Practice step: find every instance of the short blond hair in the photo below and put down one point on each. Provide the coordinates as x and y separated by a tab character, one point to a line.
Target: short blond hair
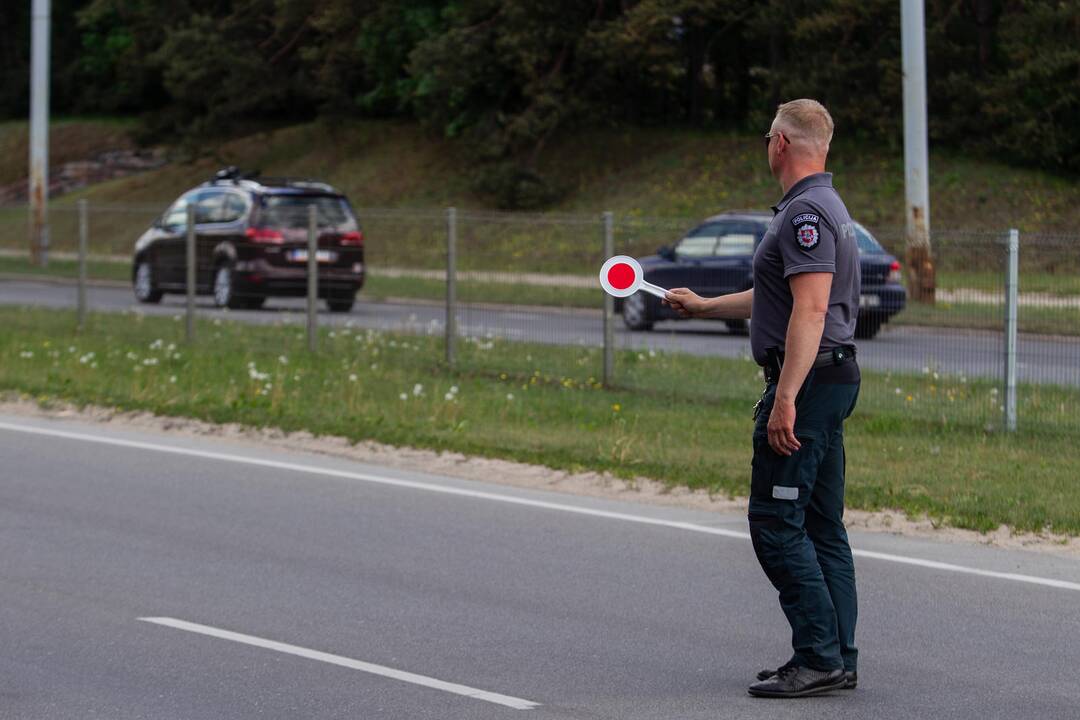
805	121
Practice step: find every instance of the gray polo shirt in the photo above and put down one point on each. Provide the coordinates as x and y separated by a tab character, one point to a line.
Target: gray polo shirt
810	232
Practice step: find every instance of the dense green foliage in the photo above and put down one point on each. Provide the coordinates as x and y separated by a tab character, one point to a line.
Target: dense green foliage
504	76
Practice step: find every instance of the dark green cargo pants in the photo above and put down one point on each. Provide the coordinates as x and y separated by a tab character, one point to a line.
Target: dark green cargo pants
796	520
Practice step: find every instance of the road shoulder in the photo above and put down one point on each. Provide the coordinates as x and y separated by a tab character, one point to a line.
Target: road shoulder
521	475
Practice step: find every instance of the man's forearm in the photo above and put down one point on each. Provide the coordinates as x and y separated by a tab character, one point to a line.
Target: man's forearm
735	306
800	350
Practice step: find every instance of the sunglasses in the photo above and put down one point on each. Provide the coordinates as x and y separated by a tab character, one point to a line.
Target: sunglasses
770	136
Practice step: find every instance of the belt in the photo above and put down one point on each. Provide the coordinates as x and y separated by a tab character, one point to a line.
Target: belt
774	360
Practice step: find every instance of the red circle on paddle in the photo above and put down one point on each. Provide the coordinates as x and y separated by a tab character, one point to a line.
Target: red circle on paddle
621	276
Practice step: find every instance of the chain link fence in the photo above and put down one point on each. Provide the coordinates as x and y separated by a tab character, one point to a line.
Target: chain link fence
517	295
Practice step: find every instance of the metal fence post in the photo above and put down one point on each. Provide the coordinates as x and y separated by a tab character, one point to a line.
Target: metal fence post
312	279
1011	301
609	306
451	286
189	285
84	229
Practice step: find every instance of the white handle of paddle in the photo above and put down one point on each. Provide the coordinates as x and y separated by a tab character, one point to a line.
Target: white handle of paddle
655	290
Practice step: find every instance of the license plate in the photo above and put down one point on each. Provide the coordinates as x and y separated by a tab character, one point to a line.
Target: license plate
323	256
869	301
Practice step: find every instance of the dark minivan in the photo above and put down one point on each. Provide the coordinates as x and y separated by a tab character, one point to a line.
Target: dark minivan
251	239
716	258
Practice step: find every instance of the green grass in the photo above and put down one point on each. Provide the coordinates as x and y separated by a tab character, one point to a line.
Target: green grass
916	443
1066	282
95	269
1049	321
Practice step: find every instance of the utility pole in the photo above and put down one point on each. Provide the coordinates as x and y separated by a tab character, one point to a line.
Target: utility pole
920	262
39	133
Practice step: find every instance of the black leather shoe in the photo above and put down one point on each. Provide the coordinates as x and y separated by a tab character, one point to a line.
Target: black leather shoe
791	682
851	677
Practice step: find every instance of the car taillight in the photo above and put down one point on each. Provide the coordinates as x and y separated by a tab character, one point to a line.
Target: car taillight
894	272
264	235
353	237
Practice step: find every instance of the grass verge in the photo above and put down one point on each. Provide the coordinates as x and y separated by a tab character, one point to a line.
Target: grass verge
95	269
917	443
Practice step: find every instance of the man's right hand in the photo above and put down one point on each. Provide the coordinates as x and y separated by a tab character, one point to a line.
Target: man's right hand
686	302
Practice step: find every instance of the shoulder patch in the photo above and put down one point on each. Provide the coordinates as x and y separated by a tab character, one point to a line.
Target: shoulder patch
806	230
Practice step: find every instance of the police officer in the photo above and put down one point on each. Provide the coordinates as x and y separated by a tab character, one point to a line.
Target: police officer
804	304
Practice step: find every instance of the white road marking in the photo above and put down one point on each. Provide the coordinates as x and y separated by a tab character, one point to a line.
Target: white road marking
382	670
510	499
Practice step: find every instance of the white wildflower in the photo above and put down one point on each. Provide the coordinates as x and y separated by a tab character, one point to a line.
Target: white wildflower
403	396
418	390
352	377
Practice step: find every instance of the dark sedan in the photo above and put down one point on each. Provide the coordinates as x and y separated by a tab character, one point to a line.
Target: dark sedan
251	242
716	258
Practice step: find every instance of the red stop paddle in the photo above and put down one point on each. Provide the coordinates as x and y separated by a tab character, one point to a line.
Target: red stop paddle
621	276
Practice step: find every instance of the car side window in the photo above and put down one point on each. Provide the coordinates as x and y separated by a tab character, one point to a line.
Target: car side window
724	239
698	243
733	244
210	207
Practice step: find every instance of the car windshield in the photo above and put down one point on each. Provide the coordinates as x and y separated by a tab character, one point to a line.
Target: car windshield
867	244
292	210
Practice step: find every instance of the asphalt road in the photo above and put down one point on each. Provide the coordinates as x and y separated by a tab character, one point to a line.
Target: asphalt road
1042	359
357	592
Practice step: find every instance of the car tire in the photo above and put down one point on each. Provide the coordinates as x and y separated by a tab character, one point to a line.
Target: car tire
867	327
224	288
341	302
143	284
636	313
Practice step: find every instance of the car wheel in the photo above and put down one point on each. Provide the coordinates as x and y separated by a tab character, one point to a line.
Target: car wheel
341	302
635	312
867	327
225	287
143	284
